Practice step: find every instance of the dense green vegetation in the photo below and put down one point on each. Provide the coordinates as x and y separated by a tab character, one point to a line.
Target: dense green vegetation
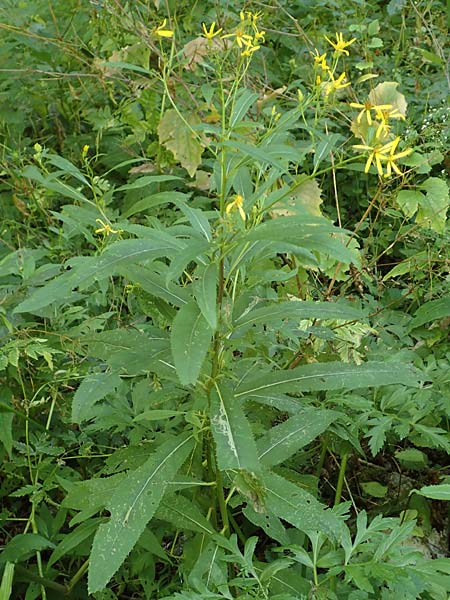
224	309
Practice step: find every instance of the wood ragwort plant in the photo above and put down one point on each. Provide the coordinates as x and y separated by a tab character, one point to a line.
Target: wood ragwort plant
206	372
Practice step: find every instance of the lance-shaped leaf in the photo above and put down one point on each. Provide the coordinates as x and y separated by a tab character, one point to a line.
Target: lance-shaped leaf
299	309
236	448
132	506
431	311
184	514
331	376
85	270
285	439
205	290
296	506
190	338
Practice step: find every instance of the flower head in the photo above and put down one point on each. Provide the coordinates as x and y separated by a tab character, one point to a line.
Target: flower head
106	228
210	33
237	204
376	155
160	31
390	158
335	84
367	107
340	45
320	60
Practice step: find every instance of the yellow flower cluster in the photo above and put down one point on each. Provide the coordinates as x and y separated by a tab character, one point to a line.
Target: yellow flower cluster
247	34
237	204
375	117
386	154
331	83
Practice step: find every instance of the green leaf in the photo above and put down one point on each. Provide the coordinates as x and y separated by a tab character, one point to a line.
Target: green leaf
331	376
432	211
431	311
155	284
132	506
178	136
92	389
128	350
409	201
296	506
299	309
245	99
283	440
324	147
205	291
435	492
190	338
85	270
236	448
374	488
74	538
24	545
155	200
183	514
148	180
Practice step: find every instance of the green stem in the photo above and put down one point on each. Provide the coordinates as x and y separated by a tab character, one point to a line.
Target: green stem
340	482
222	504
78	575
322	457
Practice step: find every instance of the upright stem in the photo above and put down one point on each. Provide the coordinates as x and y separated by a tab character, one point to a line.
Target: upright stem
340	482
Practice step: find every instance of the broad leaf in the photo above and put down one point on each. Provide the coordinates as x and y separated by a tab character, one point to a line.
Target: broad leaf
132	506
296	506
432	211
86	270
431	311
236	448
298	309
190	338
183	514
435	492
179	137
74	538
285	439
92	389
24	545
331	376
155	200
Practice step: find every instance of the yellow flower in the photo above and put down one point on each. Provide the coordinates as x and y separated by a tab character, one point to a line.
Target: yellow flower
320	60
383	116
335	84
392	157
377	154
248	51
367	107
340	45
164	33
106	228
210	33
84	151
237	203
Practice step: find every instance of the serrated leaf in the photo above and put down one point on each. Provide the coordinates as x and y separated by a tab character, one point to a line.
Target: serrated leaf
296	506
180	139
155	284
431	311
331	376
283	440
244	100
435	492
299	309
85	270
236	448
184	514
132	506
74	538
93	388
205	291
190	338
22	546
